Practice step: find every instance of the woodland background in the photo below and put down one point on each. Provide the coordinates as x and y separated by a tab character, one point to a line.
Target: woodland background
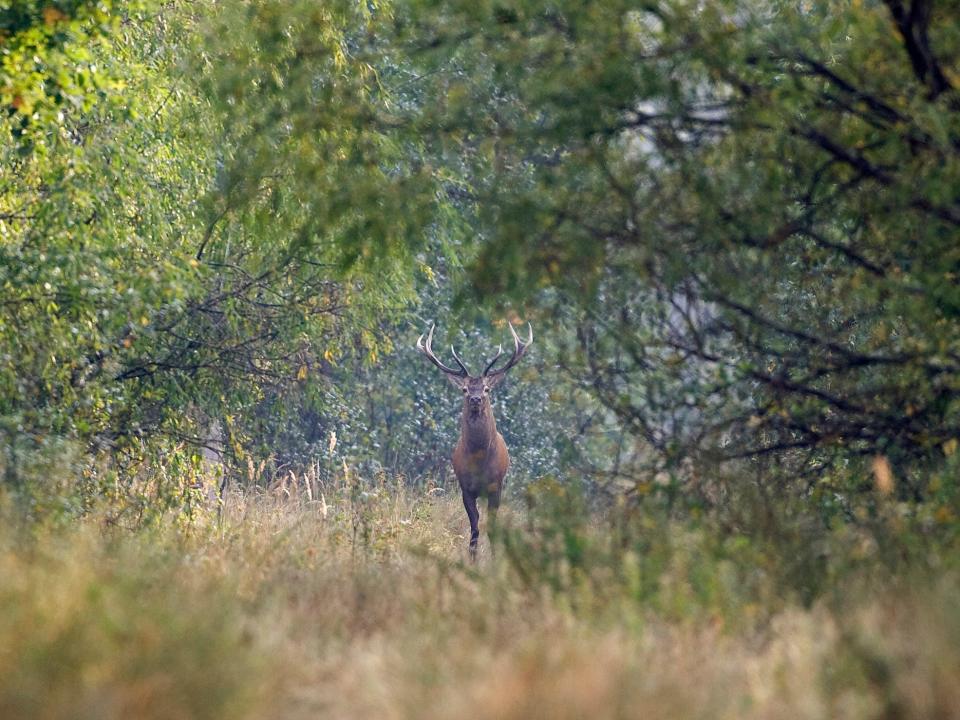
733	226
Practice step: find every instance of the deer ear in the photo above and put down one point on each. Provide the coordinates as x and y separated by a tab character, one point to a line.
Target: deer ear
458	381
494	380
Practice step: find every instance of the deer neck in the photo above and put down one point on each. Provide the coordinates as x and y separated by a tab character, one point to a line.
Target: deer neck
478	432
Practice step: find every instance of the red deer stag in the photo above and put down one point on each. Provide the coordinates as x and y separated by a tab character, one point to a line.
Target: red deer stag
480	460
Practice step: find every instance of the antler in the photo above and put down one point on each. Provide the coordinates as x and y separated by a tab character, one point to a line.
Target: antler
495	357
519	348
427	350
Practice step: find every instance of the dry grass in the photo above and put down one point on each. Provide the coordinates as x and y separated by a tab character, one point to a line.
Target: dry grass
361	605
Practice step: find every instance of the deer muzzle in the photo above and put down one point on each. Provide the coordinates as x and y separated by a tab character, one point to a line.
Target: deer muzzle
475	403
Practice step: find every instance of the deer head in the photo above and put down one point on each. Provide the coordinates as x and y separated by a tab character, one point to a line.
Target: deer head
476	389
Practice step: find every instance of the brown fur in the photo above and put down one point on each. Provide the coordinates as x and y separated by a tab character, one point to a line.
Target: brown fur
480	459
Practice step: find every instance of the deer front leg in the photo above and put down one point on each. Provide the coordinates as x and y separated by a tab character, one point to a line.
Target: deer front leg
470	503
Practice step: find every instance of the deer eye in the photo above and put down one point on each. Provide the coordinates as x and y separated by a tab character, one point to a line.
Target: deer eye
464	390
486	389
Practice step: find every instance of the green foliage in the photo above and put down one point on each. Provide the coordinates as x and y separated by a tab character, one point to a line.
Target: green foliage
308	156
754	205
732	227
51	67
754	554
88	251
169	260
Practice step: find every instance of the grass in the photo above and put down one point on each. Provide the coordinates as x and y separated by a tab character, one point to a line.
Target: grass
362	605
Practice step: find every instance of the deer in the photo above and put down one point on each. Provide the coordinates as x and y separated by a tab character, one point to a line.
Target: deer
480	458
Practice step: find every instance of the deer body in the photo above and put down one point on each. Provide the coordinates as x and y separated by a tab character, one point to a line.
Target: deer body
480	459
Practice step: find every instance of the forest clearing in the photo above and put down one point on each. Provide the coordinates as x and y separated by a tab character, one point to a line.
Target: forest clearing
463	358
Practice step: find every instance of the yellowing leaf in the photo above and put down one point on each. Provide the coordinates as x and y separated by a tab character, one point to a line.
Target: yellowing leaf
943	515
51	15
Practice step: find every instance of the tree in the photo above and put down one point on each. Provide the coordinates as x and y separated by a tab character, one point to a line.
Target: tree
173	255
756	205
48	63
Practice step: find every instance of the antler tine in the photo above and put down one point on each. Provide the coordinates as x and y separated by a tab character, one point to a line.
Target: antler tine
519	349
495	357
459	361
516	340
427	349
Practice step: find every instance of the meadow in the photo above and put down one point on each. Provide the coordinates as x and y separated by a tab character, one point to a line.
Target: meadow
361	603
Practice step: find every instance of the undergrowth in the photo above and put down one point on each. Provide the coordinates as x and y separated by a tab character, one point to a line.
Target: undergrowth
361	602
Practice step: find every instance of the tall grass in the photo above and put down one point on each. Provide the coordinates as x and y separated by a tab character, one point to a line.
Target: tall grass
360	603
